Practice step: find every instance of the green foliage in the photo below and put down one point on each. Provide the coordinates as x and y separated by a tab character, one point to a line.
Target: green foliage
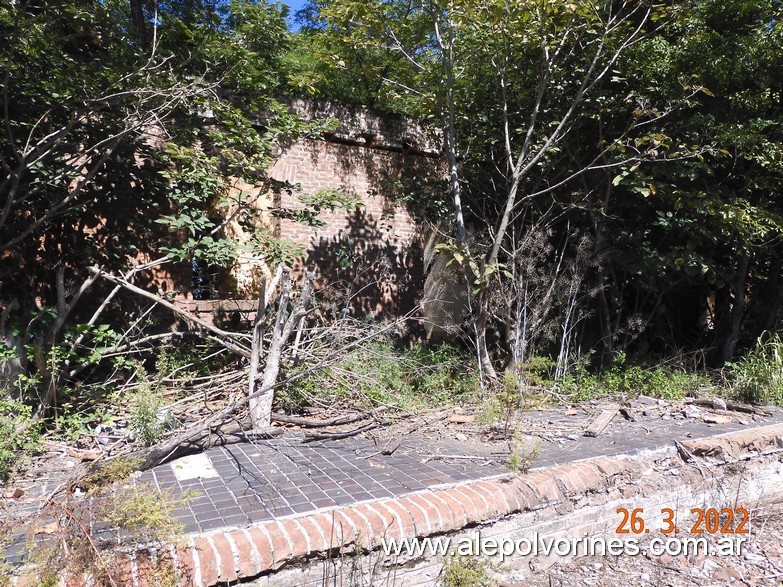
758	375
522	456
109	473
145	423
378	373
503	404
145	512
630	379
464	571
14	445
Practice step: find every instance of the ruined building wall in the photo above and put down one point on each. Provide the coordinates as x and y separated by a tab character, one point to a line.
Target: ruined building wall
368	260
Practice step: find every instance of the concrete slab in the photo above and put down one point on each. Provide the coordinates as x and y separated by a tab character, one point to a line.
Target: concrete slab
194	467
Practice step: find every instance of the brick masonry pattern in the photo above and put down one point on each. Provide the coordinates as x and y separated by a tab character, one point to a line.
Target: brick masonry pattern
240	553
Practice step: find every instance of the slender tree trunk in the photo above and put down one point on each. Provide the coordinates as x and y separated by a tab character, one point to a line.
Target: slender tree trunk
482	350
729	342
139	23
261	405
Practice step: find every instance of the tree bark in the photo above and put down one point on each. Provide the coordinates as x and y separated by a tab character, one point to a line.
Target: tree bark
139	23
729	342
261	404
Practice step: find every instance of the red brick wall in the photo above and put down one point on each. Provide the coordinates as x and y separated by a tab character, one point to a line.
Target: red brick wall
369	259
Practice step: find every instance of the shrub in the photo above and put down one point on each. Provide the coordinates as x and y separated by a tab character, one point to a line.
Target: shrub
460	571
13	416
379	373
758	376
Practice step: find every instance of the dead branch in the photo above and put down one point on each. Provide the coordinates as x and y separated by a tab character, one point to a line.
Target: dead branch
340	435
227	339
85	532
720	404
218	427
261	408
336	421
196	440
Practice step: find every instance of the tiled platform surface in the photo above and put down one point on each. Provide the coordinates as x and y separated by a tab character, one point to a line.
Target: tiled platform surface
284	476
241	486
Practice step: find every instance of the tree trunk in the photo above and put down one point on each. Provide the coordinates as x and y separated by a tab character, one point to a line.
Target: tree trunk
481	321
729	342
261	404
139	23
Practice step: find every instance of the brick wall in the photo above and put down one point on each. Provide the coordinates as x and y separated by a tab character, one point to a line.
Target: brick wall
369	259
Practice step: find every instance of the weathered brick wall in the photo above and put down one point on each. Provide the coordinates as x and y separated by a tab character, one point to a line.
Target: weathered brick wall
373	254
368	260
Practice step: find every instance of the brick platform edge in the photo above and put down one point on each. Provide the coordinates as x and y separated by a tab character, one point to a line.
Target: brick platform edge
241	554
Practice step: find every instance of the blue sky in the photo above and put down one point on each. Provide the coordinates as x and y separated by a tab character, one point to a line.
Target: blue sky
294	5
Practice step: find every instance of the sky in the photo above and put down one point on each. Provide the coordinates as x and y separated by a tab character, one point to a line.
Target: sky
294	5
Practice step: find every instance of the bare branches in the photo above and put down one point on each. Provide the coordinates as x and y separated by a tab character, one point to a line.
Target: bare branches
261	406
227	339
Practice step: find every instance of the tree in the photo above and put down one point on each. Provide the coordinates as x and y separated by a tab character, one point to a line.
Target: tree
116	121
530	69
652	130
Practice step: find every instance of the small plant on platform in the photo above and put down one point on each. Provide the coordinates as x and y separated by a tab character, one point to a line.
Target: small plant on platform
144	512
504	403
758	376
79	535
522	455
463	571
110	472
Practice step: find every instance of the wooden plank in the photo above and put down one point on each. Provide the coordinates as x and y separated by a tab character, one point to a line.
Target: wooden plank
600	423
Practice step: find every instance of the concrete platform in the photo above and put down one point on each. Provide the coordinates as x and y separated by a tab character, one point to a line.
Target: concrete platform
283	511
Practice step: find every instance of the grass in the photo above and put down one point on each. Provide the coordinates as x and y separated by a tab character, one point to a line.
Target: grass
13	444
757	377
379	373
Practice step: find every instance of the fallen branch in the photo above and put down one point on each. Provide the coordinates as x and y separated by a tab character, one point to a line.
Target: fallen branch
197	440
720	404
458	458
340	435
311	423
227	339
212	426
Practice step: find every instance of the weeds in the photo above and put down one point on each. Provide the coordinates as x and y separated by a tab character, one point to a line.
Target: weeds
503	404
84	534
110	472
758	376
378	373
146	513
147	400
462	571
663	382
13	445
522	456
